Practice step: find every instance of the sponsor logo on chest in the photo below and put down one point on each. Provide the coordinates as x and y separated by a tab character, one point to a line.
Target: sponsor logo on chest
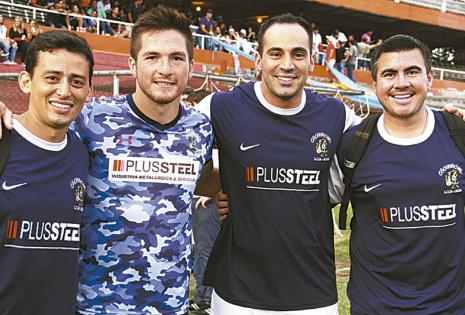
280	178
42	235
418	216
141	169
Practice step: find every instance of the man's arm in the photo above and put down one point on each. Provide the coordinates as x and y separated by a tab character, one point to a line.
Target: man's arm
209	183
7	118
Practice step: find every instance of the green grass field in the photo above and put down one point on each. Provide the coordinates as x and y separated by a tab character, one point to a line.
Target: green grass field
341	245
342	266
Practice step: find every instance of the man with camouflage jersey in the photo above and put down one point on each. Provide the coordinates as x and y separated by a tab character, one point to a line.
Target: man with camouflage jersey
147	152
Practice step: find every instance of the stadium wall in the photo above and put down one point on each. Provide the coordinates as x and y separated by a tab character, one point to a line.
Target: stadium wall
402	11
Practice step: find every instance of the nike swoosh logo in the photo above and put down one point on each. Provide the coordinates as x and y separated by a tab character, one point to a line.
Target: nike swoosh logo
245	148
366	189
6	187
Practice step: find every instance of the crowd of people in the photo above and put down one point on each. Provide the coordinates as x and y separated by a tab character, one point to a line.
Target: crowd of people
342	51
336	49
73	16
15	40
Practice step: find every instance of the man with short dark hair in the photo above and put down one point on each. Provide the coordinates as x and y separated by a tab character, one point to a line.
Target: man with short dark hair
43	182
407	245
147	153
276	142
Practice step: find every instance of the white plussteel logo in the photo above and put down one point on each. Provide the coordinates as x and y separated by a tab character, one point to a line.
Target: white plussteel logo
6	187
245	148
171	171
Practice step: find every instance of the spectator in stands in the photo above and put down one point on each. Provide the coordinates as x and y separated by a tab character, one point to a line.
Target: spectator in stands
206	28
8	49
18	36
232	35
251	35
340	36
91	24
317	44
93	6
34	30
222	25
367	37
246	45
136	8
70	3
217	34
47	4
330	53
341	56
74	22
352	61
106	4
57	20
363	52
115	16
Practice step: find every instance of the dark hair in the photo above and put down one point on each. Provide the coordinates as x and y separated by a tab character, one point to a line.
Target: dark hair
196	96
54	40
158	19
286	18
398	43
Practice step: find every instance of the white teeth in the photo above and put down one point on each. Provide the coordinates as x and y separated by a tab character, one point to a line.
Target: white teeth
61	106
165	83
402	96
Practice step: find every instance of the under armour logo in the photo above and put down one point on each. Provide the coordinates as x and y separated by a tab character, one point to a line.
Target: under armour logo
122	139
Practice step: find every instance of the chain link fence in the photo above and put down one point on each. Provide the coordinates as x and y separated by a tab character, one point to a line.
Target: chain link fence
105	83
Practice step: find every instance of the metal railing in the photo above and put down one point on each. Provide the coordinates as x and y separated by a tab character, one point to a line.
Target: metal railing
29	13
11	10
455	6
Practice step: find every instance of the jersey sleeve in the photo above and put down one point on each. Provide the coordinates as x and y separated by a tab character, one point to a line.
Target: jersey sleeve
205	105
351	118
335	182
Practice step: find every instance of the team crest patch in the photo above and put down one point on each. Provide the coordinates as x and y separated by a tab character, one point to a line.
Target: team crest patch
79	193
451	174
321	143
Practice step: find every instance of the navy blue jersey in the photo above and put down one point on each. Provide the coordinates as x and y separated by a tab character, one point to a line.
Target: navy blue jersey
408	235
41	205
275	250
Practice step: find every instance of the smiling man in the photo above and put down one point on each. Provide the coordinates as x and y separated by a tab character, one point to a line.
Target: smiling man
276	143
43	182
147	153
407	244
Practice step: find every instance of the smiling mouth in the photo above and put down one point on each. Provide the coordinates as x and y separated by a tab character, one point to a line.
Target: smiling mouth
285	79
165	83
402	98
60	107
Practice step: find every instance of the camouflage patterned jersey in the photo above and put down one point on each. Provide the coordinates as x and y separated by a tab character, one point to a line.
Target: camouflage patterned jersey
137	229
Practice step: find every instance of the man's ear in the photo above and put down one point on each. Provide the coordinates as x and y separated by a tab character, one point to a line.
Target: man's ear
312	63
191	69
91	91
25	82
132	63
430	79
258	62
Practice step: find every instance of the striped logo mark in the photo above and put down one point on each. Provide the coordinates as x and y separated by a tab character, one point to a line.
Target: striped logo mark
118	166
383	214
12	229
249	173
